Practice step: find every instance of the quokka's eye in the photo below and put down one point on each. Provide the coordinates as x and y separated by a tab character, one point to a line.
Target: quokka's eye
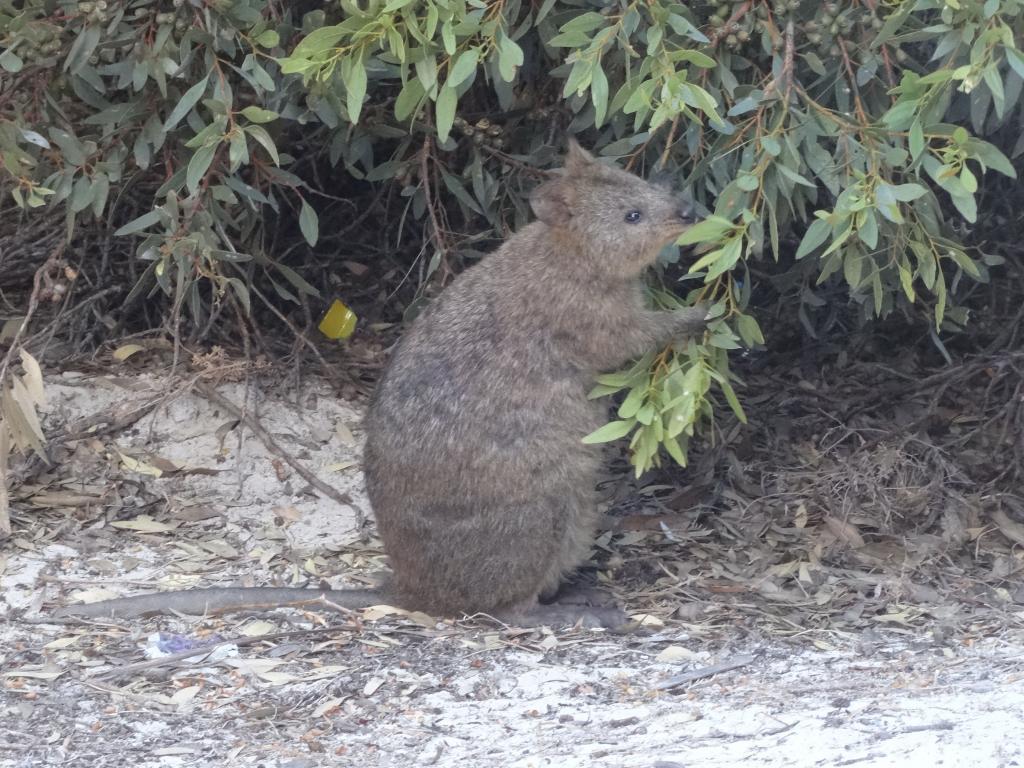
634	216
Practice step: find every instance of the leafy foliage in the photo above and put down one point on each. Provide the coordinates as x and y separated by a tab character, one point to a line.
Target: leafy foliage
845	140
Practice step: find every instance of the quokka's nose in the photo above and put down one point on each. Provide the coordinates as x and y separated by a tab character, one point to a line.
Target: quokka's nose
686	210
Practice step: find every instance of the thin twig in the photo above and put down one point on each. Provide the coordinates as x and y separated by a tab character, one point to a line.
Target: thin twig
250	421
33	304
700	674
437	233
240	642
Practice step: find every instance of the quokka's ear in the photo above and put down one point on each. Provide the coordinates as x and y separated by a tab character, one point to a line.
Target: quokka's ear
551	201
577	158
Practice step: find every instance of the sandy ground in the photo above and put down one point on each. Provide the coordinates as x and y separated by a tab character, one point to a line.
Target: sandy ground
402	690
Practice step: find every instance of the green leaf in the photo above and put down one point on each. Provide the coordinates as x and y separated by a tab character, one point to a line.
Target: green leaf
868	230
242	292
448	40
709	230
674	450
730	255
609	432
853	269
900	115
447	100
268	39
83	47
697	97
569	40
964	262
696	58
816	234
730	397
355	87
748	182
309	223
238	151
838	242
749	330
185	104
260	134
599	94
967	206
906	281
793	176
907	192
916	140
426	71
137	225
464	66
633	401
74	152
81	194
198	165
11	61
990	157
100	190
1016	60
771	145
410	97
317	43
259	115
510	58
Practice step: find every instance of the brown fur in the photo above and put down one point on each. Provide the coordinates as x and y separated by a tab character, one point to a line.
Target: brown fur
481	486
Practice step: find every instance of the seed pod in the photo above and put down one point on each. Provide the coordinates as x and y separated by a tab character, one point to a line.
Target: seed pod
494	130
743	35
483	123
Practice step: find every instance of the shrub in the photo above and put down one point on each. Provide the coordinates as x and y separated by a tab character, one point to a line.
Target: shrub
843	140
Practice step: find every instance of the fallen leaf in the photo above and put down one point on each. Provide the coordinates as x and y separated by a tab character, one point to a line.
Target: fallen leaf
36	673
185	695
344	433
141	467
844	531
1012	530
60	643
124	352
341	465
144	524
674	653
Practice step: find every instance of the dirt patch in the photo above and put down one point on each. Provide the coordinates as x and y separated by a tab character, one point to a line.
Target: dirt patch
848	646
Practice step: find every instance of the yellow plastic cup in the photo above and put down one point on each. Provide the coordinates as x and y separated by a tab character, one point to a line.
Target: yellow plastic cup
339	322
